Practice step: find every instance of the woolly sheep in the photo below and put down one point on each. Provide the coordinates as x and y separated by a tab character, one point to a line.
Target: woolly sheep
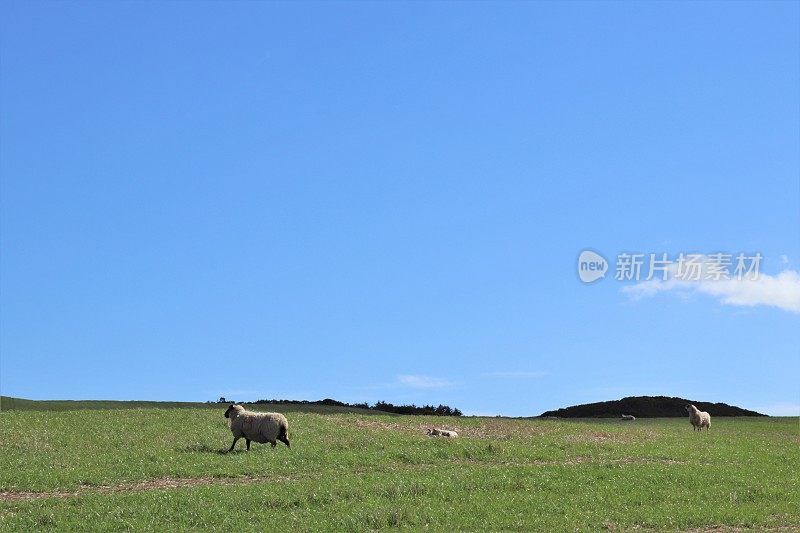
433	432
260	427
628	418
699	419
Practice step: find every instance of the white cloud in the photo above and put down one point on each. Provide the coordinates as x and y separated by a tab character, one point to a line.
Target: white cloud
424	382
781	291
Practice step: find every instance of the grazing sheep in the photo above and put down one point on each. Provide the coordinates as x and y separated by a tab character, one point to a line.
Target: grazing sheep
628	418
699	419
433	432
260	427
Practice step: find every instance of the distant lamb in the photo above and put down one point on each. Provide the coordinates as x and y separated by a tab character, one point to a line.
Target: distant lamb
433	432
628	418
260	427
699	419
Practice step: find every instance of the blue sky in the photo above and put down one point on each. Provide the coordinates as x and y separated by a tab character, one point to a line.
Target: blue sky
386	201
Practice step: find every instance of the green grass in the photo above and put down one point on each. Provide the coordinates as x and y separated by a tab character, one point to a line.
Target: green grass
357	472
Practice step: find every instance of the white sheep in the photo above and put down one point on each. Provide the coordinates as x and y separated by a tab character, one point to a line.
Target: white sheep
433	432
628	418
260	427
699	419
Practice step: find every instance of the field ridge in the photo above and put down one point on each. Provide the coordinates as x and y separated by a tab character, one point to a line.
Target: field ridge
10	403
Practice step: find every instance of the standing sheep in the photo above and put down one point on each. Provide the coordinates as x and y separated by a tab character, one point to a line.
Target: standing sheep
260	427
699	419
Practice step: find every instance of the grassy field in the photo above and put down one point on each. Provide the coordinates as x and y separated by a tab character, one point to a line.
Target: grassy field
163	469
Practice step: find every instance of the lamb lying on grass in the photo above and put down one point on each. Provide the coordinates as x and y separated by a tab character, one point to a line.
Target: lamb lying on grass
699	419
259	427
628	418
433	432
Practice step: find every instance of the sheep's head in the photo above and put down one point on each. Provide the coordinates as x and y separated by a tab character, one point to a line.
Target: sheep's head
233	409
691	408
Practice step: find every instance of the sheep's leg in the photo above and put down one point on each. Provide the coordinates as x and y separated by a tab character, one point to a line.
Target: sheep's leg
234	443
274	443
248	444
284	437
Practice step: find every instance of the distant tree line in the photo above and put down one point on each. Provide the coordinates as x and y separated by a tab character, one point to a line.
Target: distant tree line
441	410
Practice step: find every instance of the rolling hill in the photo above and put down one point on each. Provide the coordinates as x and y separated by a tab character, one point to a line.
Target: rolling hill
646	407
